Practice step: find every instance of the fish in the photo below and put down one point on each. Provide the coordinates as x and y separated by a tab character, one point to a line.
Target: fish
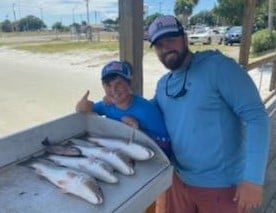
91	165
129	148
115	158
70	181
63	150
60	149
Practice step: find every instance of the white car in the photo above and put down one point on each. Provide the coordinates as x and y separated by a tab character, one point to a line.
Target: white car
205	36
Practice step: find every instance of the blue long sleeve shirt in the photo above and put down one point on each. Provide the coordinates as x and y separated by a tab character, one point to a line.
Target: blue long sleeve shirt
219	129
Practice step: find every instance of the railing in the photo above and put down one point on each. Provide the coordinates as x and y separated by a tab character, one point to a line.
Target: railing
257	63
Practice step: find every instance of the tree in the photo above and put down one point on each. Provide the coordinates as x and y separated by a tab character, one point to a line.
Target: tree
232	10
184	8
6	26
204	17
30	23
261	17
150	18
58	26
110	24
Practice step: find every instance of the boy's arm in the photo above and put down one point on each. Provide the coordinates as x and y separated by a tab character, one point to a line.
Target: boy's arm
85	105
130	121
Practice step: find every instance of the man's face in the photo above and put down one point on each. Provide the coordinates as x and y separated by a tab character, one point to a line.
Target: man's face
171	51
118	91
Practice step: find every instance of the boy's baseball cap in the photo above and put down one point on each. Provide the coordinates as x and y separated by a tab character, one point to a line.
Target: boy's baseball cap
164	26
117	67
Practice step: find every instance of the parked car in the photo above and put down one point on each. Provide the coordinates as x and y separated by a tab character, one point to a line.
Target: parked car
222	30
205	36
233	35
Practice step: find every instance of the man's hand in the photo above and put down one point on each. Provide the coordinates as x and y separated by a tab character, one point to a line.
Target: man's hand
248	196
130	121
84	105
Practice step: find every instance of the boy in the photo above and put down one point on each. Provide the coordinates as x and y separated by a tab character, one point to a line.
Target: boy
125	106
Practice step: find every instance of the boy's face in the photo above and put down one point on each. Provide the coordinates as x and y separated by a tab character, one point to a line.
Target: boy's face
118	91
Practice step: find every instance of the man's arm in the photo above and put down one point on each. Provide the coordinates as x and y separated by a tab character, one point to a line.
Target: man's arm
241	94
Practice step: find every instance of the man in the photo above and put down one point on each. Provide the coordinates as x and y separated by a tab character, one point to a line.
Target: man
125	106
217	123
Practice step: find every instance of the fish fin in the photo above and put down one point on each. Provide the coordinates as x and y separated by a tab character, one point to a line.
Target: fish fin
39	171
80	166
71	174
69	143
46	142
92	140
92	159
106	149
63	191
61	183
132	136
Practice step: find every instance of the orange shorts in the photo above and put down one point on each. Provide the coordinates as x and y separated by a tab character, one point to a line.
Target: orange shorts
181	198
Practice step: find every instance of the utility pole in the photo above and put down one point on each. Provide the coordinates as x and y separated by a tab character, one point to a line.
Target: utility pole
89	29
19	9
271	13
41	14
14	15
13	8
87	11
73	15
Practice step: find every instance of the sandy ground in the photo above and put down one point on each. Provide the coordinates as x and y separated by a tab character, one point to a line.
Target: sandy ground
36	88
40	87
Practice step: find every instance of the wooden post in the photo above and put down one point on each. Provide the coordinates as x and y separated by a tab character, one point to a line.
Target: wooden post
272	85
248	16
131	39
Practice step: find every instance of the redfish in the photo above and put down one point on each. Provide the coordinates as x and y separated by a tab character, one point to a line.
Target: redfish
91	165
70	181
116	159
131	149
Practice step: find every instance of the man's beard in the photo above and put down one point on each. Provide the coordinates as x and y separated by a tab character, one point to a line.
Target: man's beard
175	62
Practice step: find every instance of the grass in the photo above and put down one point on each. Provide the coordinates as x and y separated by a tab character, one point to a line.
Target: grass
61	42
66	46
56	44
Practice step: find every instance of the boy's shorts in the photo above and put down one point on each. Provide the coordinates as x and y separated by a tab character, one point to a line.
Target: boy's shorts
181	198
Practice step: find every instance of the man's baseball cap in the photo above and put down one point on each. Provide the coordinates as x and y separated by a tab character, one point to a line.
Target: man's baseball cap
117	67
164	26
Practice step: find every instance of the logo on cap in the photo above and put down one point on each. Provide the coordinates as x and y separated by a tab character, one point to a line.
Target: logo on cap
117	67
164	25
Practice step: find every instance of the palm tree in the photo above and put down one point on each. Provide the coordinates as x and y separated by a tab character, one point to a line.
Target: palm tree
184	8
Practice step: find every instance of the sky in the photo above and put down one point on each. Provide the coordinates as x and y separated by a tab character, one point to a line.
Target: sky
67	11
